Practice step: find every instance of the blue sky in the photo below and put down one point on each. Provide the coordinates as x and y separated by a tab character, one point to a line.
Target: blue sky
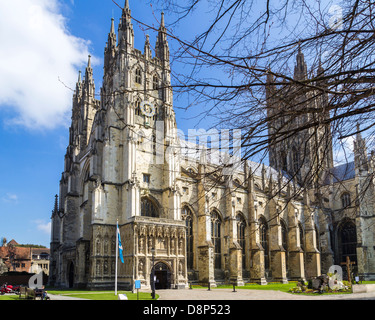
45	44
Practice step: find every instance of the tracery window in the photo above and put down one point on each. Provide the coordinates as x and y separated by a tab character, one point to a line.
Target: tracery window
216	238
138	76
348	241
241	226
155	83
186	212
301	236
317	238
345	200
263	231
138	111
148	208
284	161
284	240
296	160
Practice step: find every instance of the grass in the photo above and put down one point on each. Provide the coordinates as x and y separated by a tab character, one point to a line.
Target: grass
91	295
9	297
101	295
276	286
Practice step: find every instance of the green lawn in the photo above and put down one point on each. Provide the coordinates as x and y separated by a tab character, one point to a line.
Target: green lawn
253	286
276	286
101	295
9	297
91	295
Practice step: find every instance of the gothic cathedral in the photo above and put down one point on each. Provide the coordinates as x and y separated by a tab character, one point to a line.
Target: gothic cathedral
178	218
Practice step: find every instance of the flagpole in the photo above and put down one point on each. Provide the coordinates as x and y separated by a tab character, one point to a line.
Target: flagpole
116	258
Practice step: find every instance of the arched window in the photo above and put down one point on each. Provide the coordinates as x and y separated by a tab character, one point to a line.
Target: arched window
216	238
187	214
317	238
283	161
153	144
284	240
263	232
137	105
155	82
284	235
241	226
148	208
296	165
348	241
345	200
155	116
301	236
138	76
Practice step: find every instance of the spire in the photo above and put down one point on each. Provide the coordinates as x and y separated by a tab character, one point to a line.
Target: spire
56	203
360	150
79	84
300	70
89	73
162	23
89	86
56	206
148	53
110	49
320	69
126	32
162	47
112	27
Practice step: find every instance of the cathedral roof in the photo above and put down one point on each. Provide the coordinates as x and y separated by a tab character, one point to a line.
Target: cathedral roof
342	172
220	158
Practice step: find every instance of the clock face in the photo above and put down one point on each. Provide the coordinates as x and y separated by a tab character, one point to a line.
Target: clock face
147	109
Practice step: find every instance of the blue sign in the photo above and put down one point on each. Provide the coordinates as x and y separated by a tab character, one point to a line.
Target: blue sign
137	284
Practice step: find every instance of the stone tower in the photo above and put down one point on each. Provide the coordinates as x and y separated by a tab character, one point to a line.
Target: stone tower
121	165
304	154
365	215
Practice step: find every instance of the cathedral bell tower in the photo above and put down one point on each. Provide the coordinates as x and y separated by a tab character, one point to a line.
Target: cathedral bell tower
303	154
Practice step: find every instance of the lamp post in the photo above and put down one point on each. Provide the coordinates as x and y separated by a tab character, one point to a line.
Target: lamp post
153	274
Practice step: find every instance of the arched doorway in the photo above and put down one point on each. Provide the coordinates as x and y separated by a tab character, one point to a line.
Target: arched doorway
71	275
162	276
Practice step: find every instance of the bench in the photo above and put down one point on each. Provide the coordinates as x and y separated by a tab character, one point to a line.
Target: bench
30	294
23	292
27	293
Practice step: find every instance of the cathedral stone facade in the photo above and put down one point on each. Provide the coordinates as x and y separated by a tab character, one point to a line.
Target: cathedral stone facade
180	217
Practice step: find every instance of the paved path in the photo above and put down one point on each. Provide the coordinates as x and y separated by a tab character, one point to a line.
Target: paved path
243	294
240	294
61	297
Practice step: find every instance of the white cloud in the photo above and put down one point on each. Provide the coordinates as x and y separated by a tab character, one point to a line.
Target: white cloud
343	151
36	51
10	197
43	226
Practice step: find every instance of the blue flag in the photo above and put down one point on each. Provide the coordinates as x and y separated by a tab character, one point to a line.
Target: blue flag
119	245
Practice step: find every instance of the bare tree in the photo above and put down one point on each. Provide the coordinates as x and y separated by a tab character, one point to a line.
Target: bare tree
281	72
252	47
